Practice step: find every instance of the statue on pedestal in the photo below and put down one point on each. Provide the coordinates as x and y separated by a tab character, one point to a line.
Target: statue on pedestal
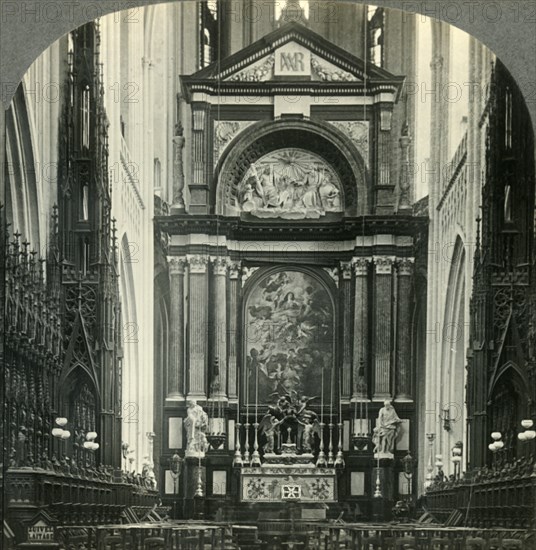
386	430
196	424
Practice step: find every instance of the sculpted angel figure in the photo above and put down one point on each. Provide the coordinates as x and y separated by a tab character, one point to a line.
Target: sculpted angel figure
310	427
269	426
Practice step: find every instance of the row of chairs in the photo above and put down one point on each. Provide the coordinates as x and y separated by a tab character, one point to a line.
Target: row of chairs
421	540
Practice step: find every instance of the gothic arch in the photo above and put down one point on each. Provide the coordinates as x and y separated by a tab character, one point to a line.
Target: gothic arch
453	334
130	374
22	194
265	137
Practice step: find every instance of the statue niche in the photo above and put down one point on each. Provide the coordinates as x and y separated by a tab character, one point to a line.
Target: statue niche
292	184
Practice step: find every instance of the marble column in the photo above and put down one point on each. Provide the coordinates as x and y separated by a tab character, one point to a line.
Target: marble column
383	296
175	371
403	330
346	307
197	333
219	322
234	290
361	323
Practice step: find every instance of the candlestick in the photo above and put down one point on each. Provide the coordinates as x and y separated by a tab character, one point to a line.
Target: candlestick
339	460
255	457
331	394
246	425
237	459
256	393
246	452
321	460
330	448
322	398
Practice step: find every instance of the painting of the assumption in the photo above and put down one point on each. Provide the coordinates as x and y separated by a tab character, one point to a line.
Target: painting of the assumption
289	337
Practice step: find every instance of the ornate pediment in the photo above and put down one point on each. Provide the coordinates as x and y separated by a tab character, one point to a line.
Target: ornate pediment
291	54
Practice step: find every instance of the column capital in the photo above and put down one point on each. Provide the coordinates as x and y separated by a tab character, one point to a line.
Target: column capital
220	264
197	263
405	266
346	270
234	269
176	265
384	264
360	266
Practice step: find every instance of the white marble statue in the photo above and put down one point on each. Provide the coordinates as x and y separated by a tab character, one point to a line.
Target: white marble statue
386	430
196	424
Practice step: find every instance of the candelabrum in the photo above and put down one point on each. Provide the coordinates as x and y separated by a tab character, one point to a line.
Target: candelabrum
529	433
378	490
199	489
59	433
246	452
430	467
339	459
331	461
256	457
237	460
321	460
496	445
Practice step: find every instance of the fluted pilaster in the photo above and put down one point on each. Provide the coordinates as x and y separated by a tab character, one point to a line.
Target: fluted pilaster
361	324
198	325
175	368
383	293
219	321
346	308
403	329
234	290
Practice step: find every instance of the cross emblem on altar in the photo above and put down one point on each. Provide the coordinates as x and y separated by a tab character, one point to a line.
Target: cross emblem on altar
291	492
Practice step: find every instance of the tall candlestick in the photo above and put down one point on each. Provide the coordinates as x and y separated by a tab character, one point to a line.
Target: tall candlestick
339	459
246	425
322	398
255	457
321	460
331	394
237	460
256	393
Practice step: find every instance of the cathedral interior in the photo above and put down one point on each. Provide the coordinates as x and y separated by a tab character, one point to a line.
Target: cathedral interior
268	285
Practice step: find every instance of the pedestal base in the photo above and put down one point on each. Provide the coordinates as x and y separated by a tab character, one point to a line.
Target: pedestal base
382	505
194	476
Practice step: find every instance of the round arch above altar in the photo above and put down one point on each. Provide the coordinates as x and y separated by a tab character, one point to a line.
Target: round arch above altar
291	169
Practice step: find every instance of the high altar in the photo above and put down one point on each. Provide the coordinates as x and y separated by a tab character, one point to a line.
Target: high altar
291	287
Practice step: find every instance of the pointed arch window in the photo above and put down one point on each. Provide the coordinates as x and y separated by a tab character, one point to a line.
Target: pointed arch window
84	201
375	35
85	116
508	119
208	32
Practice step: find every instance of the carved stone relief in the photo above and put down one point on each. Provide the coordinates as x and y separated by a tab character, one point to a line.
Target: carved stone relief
358	132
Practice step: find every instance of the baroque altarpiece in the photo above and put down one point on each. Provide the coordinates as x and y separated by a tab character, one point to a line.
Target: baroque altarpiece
294	275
